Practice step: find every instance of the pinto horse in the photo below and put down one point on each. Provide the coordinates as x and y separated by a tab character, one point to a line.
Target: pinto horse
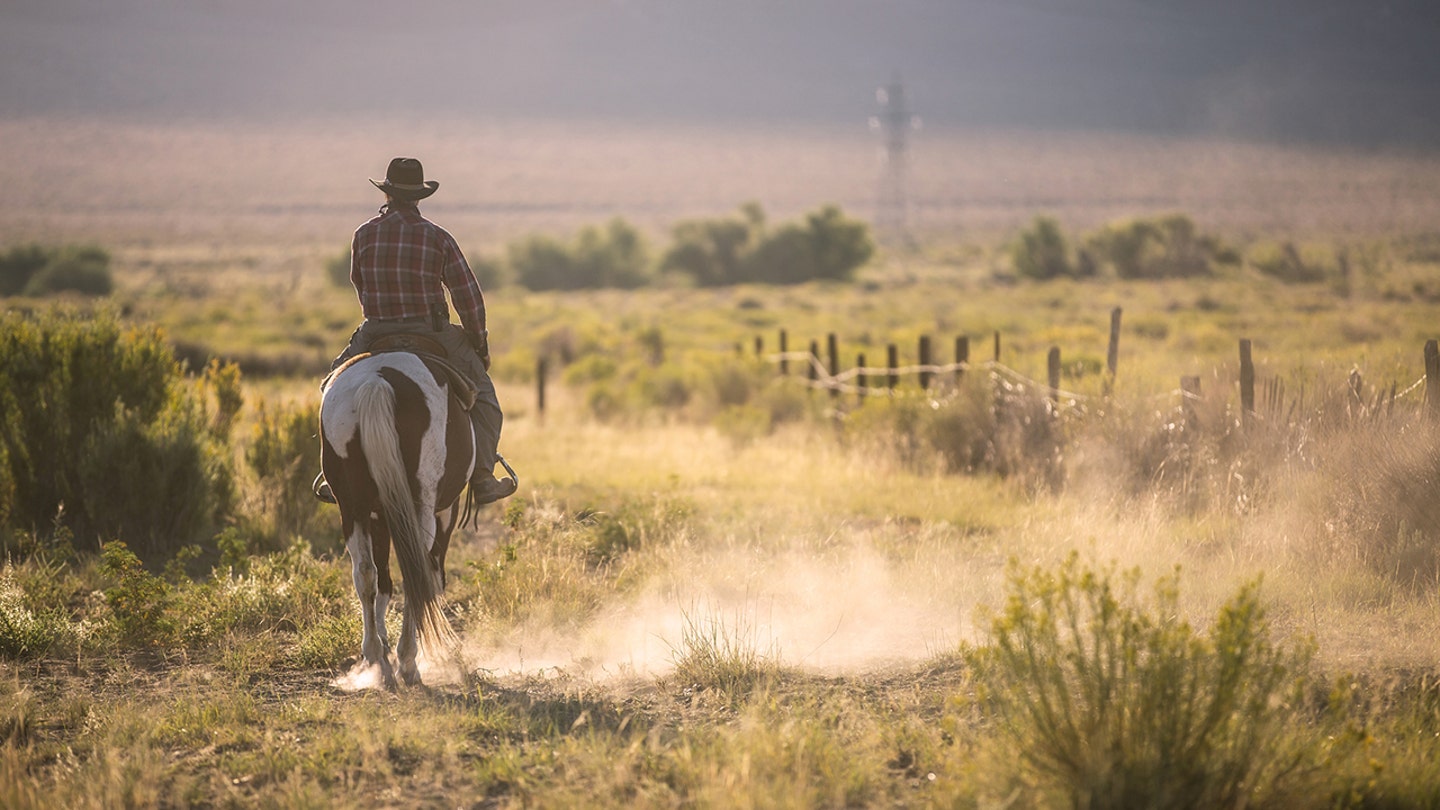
397	448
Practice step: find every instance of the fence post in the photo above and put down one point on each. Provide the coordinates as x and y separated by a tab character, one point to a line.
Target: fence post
784	347
832	349
892	362
810	373
1247	383
540	388
1053	364
860	381
1432	377
759	346
997	345
962	357
1112	356
925	374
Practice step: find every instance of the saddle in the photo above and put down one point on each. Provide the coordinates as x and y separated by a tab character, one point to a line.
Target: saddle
428	350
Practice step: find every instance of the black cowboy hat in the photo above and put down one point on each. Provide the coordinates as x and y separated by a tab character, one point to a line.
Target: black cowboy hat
405	180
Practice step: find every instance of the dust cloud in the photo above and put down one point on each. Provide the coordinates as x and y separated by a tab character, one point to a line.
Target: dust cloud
839	612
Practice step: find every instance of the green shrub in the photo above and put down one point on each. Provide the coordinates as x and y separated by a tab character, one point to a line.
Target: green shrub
825	245
542	262
613	256
283	453
139	601
1168	247
1041	252
160	483
1102	700
712	252
99	427
24	631
39	271
20	264
1284	263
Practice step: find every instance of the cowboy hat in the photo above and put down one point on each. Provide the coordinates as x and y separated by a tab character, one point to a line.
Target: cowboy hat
405	180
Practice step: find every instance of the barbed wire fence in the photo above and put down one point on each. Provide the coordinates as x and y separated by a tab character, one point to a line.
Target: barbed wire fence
865	381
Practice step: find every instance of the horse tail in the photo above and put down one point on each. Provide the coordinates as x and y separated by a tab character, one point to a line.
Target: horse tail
375	407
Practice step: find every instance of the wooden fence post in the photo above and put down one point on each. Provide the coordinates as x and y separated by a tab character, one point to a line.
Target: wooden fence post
832	349
759	346
860	381
925	374
1112	355
1247	383
540	388
962	357
810	373
1432	377
892	362
1052	362
784	347
997	345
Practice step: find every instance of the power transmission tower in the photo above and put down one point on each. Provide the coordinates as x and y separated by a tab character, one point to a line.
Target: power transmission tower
892	224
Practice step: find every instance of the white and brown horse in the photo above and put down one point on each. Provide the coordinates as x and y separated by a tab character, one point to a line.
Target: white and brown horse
397	448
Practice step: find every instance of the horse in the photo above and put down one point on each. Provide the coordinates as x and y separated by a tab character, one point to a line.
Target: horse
398	449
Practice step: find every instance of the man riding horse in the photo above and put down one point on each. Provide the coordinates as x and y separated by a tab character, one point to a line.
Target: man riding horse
401	265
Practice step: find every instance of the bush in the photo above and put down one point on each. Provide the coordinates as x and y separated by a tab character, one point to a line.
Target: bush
1041	252
98	428
712	252
284	455
542	262
1284	263
1170	247
614	256
826	245
38	271
20	264
1104	701
981	426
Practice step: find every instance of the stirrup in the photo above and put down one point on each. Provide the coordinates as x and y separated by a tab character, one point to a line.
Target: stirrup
321	488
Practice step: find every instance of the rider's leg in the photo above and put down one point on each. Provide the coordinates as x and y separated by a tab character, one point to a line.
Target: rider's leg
485	416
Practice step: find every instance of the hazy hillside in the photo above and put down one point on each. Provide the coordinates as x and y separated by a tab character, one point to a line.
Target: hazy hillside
1329	70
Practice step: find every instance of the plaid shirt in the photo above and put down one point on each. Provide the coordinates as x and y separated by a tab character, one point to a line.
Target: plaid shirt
401	264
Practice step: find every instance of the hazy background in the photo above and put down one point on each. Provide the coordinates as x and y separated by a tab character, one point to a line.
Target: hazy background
1330	71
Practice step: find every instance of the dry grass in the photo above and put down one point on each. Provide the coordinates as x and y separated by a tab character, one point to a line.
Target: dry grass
833	579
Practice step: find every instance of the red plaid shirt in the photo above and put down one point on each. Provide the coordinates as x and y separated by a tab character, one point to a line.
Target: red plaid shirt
401	264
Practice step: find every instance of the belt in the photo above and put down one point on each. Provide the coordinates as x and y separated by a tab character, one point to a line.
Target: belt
411	319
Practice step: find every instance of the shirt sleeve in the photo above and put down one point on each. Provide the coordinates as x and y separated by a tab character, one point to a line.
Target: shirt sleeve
355	277
464	289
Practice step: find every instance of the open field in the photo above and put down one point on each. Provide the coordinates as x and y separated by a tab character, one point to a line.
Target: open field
717	588
264	188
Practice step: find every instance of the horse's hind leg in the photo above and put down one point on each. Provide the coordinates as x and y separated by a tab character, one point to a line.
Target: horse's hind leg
372	640
380	544
405	652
